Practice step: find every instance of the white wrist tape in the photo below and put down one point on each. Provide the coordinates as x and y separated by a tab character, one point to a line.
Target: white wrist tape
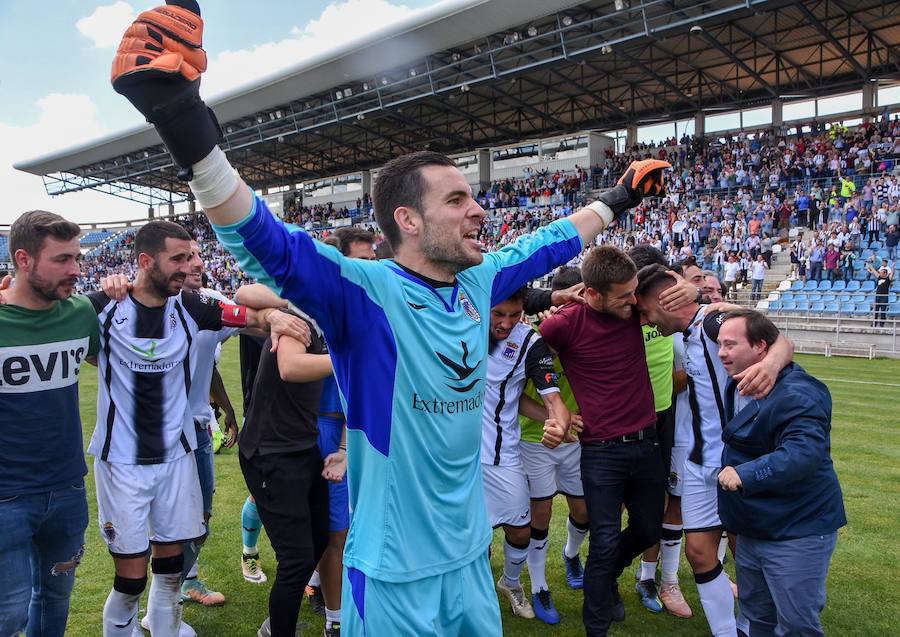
214	179
603	211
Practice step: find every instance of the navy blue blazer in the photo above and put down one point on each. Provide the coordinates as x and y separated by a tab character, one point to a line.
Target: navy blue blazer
780	446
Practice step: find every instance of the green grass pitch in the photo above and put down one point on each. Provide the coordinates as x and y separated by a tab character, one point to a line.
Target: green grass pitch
861	598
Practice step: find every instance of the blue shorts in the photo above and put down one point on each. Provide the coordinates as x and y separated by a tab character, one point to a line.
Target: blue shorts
330	430
205	471
460	603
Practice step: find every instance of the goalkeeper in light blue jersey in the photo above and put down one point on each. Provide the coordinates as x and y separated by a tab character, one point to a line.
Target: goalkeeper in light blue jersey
408	339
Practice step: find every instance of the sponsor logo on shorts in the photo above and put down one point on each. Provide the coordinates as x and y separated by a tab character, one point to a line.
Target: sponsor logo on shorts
109	532
673	479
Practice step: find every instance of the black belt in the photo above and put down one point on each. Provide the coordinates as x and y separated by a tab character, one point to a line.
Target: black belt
647	433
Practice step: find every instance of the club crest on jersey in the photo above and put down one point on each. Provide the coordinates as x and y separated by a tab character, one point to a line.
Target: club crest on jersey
510	352
469	308
172	321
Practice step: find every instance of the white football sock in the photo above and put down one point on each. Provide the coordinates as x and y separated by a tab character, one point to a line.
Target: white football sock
332	617
648	570
164	605
670	552
718	604
537	562
315	580
515	557
574	538
120	614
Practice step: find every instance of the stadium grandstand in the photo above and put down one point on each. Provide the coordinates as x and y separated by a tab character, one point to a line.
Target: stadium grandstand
761	106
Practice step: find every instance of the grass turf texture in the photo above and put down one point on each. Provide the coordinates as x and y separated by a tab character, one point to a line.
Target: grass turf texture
861	601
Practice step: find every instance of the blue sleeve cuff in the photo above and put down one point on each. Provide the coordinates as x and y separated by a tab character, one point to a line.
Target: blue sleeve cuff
233	227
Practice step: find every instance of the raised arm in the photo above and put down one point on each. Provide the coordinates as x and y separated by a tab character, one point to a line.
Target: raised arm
642	179
157	68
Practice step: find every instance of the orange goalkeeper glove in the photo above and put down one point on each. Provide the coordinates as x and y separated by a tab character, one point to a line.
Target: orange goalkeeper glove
641	179
157	68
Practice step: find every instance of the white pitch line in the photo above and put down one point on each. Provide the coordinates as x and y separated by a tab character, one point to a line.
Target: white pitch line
857	382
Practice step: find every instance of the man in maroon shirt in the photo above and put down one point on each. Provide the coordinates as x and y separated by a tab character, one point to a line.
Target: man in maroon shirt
601	347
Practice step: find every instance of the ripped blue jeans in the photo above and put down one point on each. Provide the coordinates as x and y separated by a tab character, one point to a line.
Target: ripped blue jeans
41	534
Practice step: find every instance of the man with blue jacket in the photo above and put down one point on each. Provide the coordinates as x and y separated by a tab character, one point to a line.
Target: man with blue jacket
778	492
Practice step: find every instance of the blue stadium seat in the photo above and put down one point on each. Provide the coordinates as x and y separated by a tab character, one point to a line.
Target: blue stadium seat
824	284
867	286
774	306
829	298
786	296
860	275
874	245
892	297
788	307
843	298
803	307
882	254
858	298
895	286
847	308
812	297
863	309
832	308
894	310
811	286
817	307
838	286
865	254
853	286
797	285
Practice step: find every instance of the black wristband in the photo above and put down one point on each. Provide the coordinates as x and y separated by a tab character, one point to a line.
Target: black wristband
618	198
188	128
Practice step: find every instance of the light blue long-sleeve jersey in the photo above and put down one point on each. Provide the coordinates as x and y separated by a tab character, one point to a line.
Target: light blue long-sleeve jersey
410	363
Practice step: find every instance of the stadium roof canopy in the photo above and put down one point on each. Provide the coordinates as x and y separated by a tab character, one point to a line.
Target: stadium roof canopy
483	73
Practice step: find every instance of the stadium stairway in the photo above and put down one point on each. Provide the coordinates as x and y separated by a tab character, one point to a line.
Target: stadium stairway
781	268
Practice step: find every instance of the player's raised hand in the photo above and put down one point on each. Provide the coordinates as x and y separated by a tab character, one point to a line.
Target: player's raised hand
642	179
157	68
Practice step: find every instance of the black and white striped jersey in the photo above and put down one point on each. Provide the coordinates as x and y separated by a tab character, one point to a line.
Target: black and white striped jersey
511	363
208	346
707	380
684	419
144	376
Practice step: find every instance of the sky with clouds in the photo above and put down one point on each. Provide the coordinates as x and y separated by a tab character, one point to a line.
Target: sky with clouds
54	74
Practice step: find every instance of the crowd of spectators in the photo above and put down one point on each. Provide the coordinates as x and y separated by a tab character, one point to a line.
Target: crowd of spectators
729	201
535	188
